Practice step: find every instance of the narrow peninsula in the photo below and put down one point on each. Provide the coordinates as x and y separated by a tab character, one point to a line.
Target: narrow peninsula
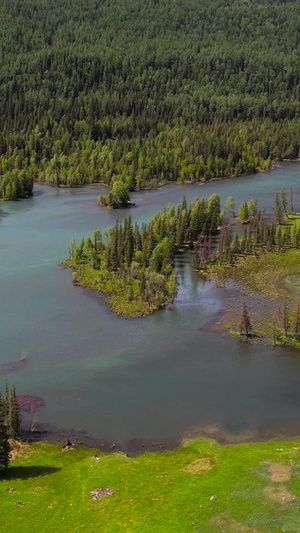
133	264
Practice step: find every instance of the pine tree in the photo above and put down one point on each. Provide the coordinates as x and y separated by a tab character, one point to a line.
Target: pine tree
279	238
129	241
72	248
278	209
285	317
130	294
274	332
143	284
4	445
296	320
252	207
236	245
292	200
230	205
280	321
284	201
243	214
14	420
4	405
245	323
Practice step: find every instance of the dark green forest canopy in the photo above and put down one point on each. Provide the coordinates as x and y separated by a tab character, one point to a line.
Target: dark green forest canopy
147	91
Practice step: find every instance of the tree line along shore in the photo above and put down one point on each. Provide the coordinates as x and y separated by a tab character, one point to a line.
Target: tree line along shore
209	91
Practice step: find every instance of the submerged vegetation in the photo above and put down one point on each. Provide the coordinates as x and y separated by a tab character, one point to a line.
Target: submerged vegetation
155	92
135	264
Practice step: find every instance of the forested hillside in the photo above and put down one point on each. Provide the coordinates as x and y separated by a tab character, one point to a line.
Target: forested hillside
145	91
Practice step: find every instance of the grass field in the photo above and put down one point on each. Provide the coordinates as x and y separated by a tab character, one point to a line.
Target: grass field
202	487
264	273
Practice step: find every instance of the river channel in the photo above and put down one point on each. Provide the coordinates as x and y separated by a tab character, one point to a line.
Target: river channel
155	378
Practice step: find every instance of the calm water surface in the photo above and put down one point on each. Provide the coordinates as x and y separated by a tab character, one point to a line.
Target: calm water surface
153	378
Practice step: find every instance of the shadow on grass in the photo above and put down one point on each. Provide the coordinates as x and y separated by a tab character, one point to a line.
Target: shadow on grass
26	472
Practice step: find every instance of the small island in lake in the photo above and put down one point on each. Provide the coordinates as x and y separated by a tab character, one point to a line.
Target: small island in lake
119	194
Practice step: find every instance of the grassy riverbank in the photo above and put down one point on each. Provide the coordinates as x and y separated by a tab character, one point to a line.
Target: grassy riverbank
263	282
265	276
264	273
201	487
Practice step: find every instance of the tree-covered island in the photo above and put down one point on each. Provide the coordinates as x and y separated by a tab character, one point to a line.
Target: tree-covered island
119	193
135	264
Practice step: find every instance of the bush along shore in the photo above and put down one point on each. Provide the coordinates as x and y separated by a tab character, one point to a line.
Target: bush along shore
263	266
135	264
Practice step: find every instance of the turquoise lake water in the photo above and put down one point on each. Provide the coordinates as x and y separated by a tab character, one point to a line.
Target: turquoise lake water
118	379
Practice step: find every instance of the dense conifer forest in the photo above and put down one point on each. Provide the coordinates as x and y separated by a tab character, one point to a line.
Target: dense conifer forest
144	92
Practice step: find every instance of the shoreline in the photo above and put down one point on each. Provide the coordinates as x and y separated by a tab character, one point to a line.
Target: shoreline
47	434
164	183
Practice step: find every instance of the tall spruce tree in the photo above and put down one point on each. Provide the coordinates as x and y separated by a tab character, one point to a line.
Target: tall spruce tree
285	317
278	209
4	443
230	205
4	405
284	201
243	213
14	419
245	323
296	320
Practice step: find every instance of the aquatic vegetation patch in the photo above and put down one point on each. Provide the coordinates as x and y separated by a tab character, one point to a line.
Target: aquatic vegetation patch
29	403
260	283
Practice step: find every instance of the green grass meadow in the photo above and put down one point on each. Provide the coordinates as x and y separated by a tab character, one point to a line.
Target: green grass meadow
202	487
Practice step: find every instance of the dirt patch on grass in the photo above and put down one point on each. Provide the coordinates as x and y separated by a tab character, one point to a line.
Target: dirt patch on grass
198	466
279	494
19	449
99	493
279	473
231	525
